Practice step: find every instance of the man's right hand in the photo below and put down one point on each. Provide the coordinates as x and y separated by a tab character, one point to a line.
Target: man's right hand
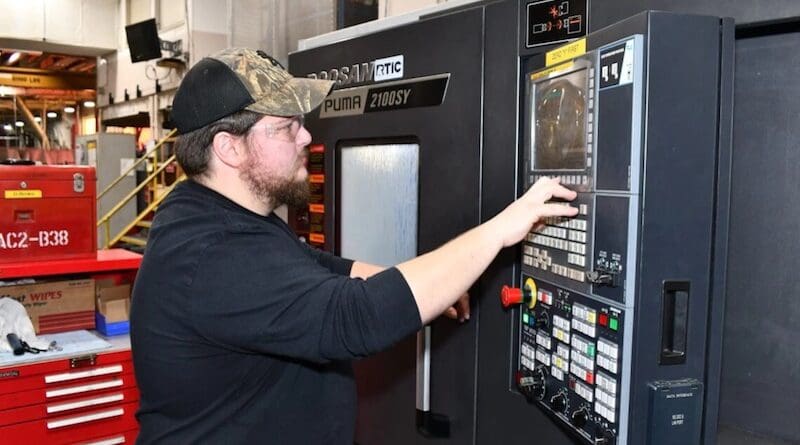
516	220
439	277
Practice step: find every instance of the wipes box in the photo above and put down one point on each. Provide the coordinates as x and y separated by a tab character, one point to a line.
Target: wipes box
57	305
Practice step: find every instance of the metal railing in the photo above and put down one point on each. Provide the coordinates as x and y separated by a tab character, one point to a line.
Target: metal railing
152	180
154	151
155	202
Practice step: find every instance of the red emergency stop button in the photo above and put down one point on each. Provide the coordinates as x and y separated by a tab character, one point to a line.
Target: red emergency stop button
510	295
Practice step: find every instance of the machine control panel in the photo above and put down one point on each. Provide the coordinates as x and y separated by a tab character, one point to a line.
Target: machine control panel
570	358
575	271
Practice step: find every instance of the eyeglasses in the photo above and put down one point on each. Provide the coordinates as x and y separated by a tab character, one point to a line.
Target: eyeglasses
284	131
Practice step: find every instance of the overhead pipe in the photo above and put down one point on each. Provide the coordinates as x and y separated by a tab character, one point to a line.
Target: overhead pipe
26	113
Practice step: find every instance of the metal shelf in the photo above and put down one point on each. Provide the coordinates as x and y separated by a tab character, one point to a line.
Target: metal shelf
106	260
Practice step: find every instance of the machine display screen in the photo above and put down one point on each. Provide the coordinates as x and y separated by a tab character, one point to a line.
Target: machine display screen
558	122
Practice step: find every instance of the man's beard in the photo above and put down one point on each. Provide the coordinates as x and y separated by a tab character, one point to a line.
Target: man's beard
275	191
294	194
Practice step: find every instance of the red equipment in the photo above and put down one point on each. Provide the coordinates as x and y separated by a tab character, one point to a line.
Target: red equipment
47	213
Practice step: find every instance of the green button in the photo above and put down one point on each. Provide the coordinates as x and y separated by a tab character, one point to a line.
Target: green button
590	350
613	324
524	318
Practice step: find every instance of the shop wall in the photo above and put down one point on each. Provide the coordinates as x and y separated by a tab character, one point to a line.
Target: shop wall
87	24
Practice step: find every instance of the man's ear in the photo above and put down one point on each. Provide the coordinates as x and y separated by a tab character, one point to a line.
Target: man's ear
229	149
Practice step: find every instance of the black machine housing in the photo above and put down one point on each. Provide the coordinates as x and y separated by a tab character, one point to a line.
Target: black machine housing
653	207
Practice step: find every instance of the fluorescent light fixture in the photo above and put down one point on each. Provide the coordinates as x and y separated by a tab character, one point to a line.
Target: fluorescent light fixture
89	104
7	127
37	119
69	109
20	124
52	114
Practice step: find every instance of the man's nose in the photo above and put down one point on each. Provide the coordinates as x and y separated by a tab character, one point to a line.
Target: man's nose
303	137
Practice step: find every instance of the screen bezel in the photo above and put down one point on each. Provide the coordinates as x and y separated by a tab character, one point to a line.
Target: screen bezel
531	105
534	74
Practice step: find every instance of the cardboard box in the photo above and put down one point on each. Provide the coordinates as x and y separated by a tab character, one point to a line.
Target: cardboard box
113	308
56	306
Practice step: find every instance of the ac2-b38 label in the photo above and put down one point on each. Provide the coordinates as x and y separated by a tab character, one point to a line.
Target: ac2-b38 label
41	238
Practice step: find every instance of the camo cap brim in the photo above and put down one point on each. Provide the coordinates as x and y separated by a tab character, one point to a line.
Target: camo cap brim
273	89
239	79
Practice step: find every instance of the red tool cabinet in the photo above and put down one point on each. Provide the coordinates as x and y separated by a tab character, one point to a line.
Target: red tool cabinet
47	212
83	399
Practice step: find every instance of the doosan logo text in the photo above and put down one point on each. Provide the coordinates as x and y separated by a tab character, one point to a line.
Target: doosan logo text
377	70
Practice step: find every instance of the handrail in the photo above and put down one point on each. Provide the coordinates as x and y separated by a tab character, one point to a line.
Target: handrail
136	164
106	219
156	201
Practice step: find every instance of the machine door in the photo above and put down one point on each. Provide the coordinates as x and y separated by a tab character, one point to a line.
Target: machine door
401	137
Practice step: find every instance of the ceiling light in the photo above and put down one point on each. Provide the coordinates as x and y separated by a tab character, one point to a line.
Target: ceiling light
7	127
52	114
69	109
37	119
20	124
89	104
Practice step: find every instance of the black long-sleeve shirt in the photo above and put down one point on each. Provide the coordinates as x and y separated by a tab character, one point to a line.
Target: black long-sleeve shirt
242	334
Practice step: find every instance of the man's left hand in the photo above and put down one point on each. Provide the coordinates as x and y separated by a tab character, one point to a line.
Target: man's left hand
460	310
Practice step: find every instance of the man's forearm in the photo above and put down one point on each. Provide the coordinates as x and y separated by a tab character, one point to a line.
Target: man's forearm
438	278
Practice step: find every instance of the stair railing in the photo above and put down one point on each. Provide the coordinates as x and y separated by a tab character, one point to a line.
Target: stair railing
154	151
151	180
121	236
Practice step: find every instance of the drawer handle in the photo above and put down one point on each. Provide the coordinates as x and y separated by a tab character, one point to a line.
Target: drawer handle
83	419
84	403
83	388
55	378
85	360
112	441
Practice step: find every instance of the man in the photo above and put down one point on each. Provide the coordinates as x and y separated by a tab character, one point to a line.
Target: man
240	332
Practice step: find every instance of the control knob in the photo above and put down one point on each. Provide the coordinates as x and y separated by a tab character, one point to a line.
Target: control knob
559	402
580	417
600	278
542	321
604	437
532	383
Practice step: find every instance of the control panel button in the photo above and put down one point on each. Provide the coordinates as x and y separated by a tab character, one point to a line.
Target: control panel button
510	296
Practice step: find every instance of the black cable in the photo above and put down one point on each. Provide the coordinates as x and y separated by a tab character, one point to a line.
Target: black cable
155	73
20	347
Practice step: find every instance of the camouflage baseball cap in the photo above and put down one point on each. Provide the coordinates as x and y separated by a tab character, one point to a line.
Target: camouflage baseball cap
238	79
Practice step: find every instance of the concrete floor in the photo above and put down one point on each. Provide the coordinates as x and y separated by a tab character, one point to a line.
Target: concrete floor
727	435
